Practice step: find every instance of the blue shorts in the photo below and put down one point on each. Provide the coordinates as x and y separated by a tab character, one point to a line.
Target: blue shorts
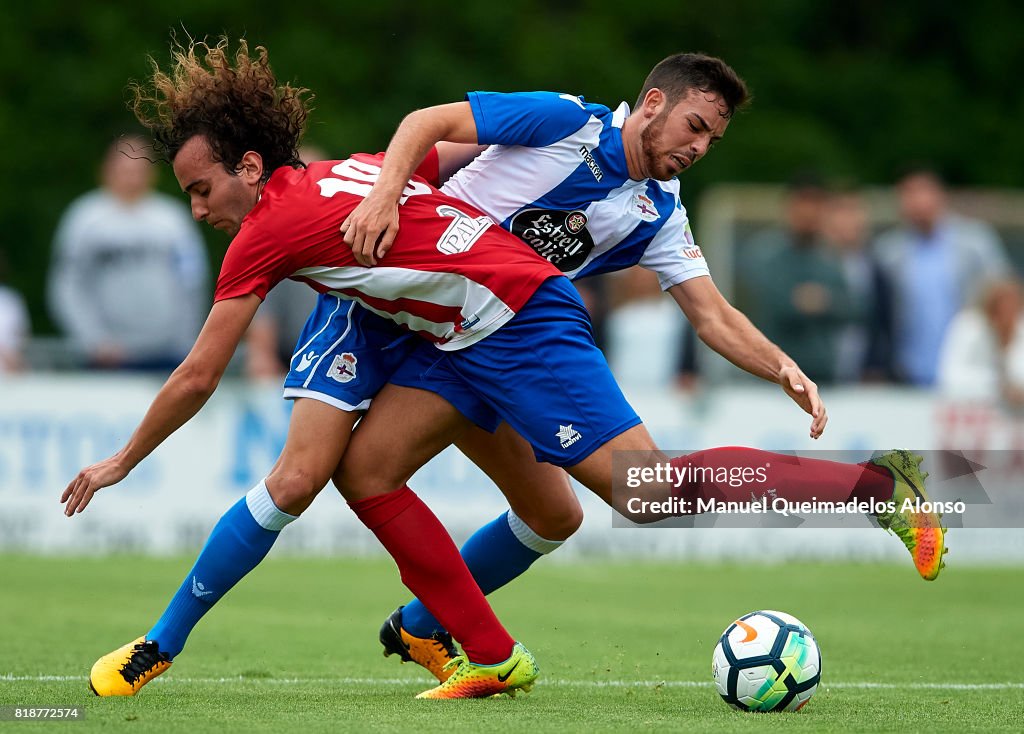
345	354
541	372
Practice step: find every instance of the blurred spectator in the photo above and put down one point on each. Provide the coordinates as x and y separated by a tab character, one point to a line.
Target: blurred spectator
128	283
643	330
865	346
803	211
687	362
797	290
936	262
982	356
14	324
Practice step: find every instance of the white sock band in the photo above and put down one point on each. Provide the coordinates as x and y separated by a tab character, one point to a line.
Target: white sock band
263	509
525	535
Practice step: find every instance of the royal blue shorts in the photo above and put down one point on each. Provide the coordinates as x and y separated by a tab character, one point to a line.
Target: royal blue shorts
345	354
541	372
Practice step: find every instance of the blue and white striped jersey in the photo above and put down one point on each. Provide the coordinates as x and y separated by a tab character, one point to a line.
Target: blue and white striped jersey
555	175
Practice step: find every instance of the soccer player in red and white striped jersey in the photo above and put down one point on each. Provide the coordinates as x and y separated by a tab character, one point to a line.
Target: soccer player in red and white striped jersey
455	280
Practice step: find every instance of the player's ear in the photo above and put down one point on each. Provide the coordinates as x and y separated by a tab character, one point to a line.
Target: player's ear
654	102
250	167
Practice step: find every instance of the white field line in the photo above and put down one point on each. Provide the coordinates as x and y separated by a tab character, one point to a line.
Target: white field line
552	682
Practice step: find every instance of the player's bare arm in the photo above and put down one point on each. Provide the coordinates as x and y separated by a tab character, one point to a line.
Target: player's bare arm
185	392
726	330
372	227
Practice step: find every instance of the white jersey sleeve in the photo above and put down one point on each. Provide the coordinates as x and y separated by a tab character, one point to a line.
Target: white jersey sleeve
673	254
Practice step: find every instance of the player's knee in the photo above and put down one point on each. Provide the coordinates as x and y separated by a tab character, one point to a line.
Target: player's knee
565	523
354	485
293	490
357	480
363	489
557	525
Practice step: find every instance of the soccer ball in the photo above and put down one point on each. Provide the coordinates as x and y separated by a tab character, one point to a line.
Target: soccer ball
766	661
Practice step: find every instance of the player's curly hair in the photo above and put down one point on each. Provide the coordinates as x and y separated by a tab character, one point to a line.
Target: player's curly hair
678	74
232	100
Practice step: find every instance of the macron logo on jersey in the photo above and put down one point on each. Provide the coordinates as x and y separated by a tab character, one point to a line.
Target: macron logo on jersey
567	435
588	158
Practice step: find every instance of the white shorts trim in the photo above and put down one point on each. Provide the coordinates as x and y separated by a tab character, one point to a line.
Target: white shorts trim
291	393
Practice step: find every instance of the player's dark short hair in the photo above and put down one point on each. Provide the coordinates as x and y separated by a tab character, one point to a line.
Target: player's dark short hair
678	74
232	100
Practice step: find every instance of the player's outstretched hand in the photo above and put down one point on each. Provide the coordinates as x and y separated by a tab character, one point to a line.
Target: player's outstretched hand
90	481
371	229
804	393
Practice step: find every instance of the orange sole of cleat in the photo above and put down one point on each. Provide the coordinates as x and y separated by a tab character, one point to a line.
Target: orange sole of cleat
926	559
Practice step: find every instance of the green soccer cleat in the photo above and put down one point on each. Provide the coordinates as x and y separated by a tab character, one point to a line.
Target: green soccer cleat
469	680
433	653
921	532
128	668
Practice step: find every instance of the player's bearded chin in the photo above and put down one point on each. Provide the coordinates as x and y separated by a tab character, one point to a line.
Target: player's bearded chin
654	161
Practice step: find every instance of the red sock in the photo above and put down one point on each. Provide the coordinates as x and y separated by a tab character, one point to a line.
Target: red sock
433	570
744	473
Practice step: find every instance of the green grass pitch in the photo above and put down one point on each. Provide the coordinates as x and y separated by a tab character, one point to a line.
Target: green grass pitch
622	647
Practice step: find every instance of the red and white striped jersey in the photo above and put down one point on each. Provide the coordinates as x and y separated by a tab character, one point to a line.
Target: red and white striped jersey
450	276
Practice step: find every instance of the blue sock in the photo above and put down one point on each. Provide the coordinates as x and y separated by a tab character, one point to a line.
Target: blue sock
495	554
239	541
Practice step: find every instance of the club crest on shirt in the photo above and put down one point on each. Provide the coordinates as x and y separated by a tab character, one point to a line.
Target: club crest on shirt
644	207
575	222
343	368
560	237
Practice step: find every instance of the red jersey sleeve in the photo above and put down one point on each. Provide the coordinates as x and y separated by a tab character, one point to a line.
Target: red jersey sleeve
254	263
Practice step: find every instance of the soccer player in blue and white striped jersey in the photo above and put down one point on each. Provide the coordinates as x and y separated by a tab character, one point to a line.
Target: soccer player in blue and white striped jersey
592	190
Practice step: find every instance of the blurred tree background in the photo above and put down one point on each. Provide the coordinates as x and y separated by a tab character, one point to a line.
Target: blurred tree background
856	88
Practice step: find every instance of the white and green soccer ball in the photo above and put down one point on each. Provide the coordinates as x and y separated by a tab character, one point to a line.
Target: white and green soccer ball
766	661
